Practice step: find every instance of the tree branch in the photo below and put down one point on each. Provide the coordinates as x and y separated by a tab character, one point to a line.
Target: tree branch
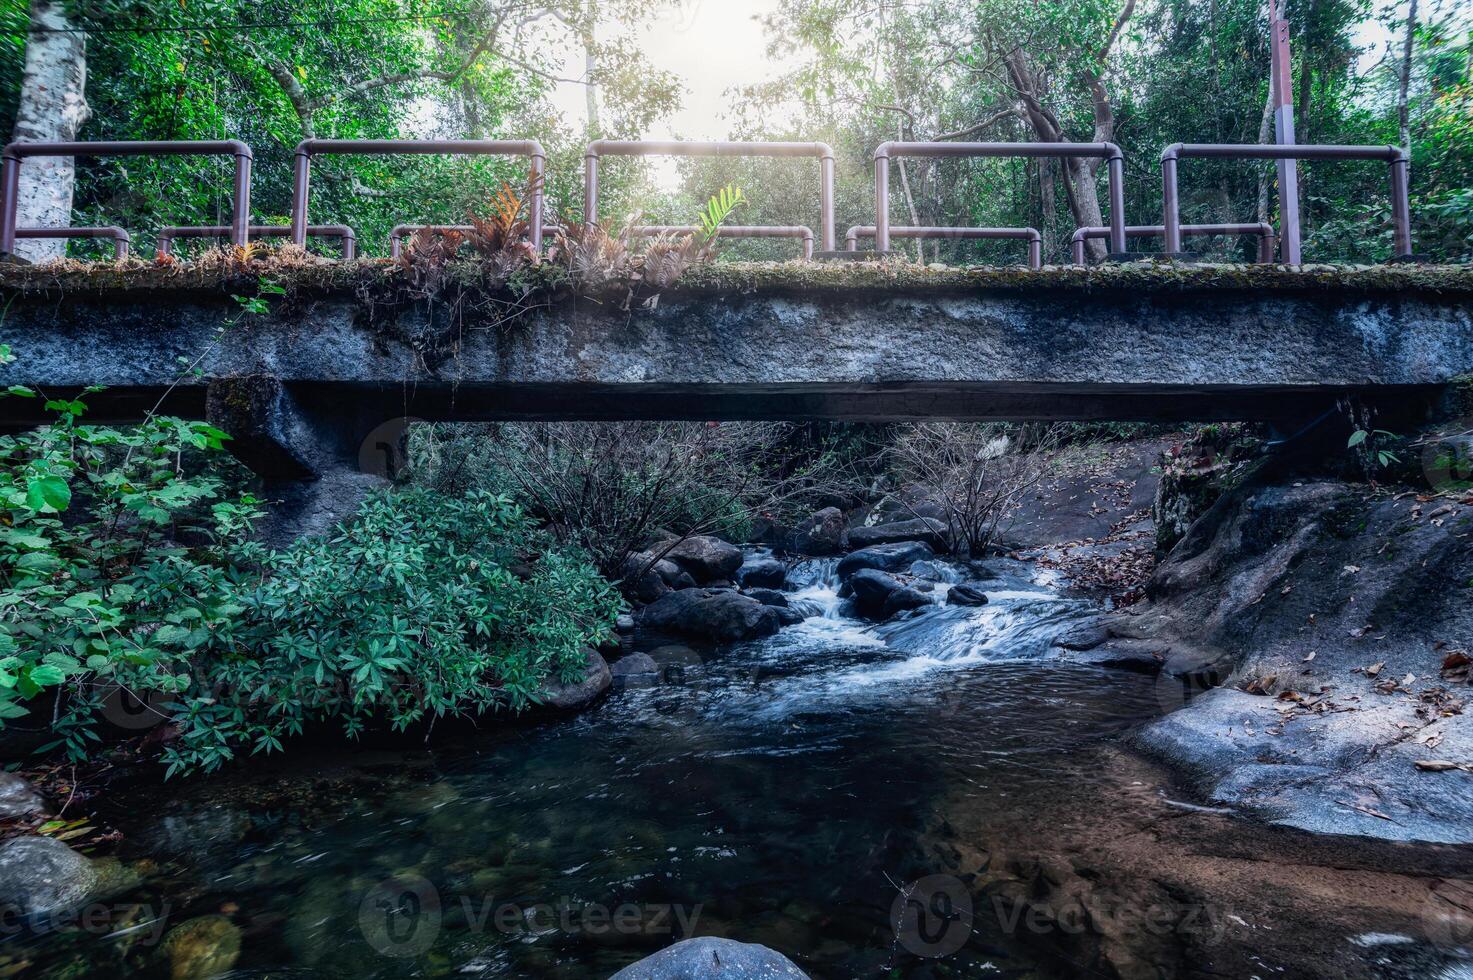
977	127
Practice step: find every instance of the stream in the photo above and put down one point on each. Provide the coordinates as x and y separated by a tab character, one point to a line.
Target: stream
785	792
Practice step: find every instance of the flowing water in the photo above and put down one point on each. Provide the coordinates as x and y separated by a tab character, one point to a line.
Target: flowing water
785	792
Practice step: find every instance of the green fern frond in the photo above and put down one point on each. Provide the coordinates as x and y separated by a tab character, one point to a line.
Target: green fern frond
718	210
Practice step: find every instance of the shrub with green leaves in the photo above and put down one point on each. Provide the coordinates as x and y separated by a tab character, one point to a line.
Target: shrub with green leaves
95	575
424	605
126	566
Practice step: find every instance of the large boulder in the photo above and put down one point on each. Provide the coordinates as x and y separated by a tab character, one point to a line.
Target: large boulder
880	596
709	958
710	614
18	798
966	594
41	874
581	693
822	534
646	578
886	557
768	597
926	529
706	558
762	573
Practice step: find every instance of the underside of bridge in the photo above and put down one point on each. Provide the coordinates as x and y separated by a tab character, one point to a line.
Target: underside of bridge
348	346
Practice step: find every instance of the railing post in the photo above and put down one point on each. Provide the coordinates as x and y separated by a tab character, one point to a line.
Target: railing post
534	216
1266	242
9	205
826	202
1115	167
1401	209
590	188
882	199
301	176
1035	251
240	216
1170	205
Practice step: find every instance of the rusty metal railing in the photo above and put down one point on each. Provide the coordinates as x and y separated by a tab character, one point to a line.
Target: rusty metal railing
309	148
1114	163
1397	158
824	153
119	237
11	157
399	233
345	234
1030	235
735	231
1264	231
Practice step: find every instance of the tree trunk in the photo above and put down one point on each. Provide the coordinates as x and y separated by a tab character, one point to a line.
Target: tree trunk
1080	183
1403	110
590	68
52	107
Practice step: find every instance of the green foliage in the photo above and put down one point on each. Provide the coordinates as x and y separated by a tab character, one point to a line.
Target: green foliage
126	566
1371	448
423	605
95	580
718	209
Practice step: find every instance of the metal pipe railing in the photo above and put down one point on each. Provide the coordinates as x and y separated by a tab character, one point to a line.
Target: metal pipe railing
119	237
735	231
1397	158
1109	152
399	233
348	237
1265	232
309	148
824	153
1030	235
11	157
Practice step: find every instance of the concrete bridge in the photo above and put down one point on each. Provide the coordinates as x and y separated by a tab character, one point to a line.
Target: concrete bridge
302	386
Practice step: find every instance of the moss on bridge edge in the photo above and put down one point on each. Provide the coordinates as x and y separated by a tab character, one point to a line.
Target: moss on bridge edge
378	280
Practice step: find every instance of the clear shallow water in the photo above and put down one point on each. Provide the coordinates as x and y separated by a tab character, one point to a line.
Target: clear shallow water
777	792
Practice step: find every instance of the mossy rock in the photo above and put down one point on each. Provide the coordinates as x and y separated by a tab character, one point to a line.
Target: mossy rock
201	948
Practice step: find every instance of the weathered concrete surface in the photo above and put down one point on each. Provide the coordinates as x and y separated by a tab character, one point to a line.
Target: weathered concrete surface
743	343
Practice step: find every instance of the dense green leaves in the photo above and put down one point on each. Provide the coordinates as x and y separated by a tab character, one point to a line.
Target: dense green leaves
126	569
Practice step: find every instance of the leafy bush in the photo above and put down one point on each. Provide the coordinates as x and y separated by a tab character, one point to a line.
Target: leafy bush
423	605
126	567
95	582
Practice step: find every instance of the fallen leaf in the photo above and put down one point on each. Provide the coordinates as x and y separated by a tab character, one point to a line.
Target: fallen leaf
1375	669
1366	810
1351	569
1437	765
1309	656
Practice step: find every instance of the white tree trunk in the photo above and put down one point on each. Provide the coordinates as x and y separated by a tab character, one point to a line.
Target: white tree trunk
53	106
